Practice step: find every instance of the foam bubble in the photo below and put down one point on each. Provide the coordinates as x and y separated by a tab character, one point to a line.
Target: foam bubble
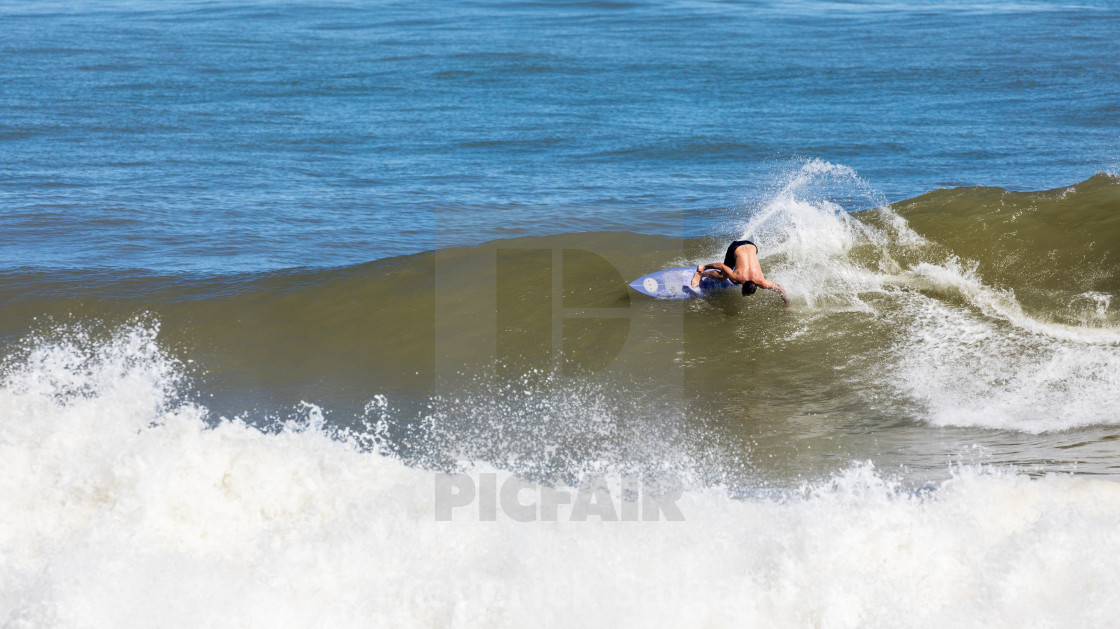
1093	306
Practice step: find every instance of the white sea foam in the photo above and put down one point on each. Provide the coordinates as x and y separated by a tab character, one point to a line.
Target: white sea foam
979	360
991	364
968	371
1002	305
806	238
121	508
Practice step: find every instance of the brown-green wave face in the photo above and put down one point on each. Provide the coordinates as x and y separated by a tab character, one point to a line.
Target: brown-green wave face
1058	250
948	321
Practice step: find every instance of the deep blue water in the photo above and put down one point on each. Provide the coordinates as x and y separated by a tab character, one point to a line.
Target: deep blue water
229	136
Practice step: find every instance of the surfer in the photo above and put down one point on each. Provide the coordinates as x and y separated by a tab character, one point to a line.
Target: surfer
740	266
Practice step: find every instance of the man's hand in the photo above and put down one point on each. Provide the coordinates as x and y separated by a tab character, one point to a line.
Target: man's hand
696	276
778	288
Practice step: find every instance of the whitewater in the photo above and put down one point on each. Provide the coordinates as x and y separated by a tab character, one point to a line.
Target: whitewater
129	502
276	278
126	506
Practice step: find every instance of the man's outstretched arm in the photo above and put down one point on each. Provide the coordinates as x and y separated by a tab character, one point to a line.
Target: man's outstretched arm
776	287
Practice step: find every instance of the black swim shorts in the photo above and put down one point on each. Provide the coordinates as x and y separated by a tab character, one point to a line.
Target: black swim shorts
729	257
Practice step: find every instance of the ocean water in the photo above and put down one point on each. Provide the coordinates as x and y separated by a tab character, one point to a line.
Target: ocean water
272	274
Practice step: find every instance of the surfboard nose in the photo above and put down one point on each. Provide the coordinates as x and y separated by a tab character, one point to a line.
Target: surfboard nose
646	285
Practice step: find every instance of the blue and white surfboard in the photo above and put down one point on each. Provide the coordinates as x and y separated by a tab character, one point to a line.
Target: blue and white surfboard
676	284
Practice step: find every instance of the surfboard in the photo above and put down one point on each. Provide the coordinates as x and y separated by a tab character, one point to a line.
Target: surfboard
676	284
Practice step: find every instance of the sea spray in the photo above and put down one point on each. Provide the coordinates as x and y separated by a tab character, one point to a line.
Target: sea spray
124	507
812	243
954	347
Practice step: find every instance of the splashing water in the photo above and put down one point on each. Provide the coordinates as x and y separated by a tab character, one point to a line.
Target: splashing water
965	352
123	507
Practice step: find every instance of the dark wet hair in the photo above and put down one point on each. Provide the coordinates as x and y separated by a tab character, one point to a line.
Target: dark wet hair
749	288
